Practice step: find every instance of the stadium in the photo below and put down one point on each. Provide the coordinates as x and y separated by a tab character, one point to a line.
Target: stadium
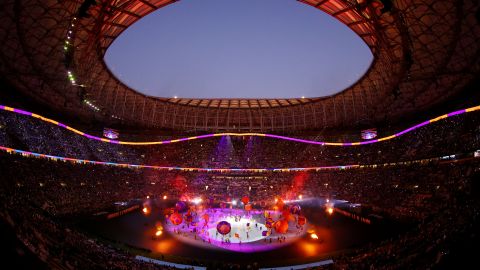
383	174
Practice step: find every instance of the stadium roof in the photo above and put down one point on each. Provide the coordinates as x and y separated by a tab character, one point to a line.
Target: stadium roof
424	52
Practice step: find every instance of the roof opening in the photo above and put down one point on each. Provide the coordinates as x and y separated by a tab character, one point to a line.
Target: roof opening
238	49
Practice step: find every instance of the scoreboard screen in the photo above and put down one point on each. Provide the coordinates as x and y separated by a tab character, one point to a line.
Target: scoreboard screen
110	133
369	134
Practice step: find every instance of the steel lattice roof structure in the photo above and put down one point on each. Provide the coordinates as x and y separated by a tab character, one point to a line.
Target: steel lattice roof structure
425	51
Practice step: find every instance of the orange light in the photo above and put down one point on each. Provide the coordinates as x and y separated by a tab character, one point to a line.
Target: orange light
330	210
145	210
164	197
158	233
300	197
314	236
148	196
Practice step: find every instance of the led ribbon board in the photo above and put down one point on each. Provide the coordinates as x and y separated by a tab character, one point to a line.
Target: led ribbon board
472	109
229	170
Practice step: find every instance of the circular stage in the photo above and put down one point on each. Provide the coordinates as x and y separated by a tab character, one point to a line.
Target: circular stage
198	243
243	231
248	231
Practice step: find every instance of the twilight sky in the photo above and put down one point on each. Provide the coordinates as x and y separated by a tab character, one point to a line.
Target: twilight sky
238	49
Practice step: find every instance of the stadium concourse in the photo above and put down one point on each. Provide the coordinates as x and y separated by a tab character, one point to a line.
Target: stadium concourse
382	175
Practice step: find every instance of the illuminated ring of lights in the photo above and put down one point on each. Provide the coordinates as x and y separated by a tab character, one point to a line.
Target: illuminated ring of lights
221	170
471	109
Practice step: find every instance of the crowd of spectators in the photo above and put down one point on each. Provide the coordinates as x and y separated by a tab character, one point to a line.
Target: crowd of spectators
30	134
26	133
440	198
446	217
